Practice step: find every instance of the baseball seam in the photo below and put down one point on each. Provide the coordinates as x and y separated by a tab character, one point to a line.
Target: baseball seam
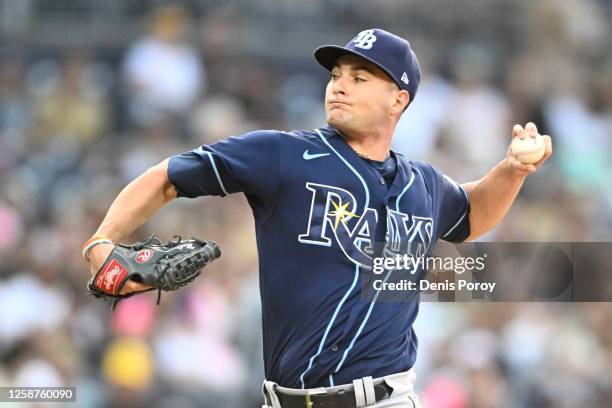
524	152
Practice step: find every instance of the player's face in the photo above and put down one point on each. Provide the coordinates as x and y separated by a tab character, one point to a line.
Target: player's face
359	96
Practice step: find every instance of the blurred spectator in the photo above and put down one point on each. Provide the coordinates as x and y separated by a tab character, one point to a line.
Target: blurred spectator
15	111
583	138
301	100
196	351
163	72
20	316
218	117
418	130
477	129
526	88
128	368
75	106
445	393
128	363
134	317
11	228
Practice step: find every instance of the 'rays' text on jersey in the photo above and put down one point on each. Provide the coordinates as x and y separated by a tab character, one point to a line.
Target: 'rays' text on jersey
334	218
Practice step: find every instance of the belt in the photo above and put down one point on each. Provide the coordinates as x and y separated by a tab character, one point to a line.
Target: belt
339	399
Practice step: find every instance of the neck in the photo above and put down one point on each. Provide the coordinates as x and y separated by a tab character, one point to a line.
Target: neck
371	145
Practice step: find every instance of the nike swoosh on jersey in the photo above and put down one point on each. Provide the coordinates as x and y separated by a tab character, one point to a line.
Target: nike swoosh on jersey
309	156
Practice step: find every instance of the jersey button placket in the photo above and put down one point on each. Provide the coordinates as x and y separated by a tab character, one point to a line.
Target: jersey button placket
382	180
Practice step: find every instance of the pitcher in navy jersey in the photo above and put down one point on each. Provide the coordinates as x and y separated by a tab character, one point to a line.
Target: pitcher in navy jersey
326	202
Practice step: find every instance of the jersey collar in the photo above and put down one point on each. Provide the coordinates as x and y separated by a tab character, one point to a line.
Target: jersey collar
402	176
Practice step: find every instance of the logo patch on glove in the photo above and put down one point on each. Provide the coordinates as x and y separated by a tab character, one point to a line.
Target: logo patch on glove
110	278
144	255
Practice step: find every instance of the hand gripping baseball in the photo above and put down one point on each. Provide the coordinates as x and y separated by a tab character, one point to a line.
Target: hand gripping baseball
528	150
162	266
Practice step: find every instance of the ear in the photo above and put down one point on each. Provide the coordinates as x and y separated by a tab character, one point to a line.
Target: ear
402	98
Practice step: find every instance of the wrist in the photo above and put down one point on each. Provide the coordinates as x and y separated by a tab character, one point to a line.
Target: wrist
98	254
94	242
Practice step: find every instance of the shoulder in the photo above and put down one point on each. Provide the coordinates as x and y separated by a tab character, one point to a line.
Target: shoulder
423	169
275	139
265	136
309	135
264	139
281	135
426	169
292	137
430	175
437	181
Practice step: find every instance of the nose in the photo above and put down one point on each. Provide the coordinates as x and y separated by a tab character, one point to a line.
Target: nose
339	85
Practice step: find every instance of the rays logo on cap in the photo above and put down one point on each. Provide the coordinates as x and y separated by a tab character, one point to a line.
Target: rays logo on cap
365	39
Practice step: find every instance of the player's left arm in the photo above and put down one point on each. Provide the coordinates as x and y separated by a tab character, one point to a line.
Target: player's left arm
492	196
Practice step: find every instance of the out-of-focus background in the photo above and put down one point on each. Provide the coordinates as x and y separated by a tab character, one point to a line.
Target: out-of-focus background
92	92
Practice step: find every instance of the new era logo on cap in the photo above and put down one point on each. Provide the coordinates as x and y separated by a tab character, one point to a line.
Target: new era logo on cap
388	51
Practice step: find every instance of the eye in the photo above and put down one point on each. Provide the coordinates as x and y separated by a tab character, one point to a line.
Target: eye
334	76
360	79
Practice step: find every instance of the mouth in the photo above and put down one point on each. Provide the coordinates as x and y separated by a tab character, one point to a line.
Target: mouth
337	104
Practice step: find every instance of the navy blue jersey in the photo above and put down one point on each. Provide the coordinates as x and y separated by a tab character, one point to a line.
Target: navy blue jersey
321	212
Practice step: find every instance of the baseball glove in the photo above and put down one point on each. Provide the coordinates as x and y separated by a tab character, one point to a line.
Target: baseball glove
162	265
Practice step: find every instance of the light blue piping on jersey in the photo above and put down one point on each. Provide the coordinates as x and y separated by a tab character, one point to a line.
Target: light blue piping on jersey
365	320
346	295
363	183
399	197
462	217
330	324
212	161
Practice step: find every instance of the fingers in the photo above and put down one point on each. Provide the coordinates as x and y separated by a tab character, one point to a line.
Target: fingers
547	150
516	165
518	131
548	143
530	130
131	286
523	168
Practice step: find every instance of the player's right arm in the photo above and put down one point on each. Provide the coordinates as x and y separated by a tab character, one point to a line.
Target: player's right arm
133	207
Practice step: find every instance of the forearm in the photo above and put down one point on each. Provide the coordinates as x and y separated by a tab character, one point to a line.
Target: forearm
137	203
492	196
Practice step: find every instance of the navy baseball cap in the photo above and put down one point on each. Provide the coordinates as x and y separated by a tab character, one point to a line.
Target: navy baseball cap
389	52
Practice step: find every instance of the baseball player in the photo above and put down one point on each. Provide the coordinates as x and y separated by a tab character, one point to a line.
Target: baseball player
326	202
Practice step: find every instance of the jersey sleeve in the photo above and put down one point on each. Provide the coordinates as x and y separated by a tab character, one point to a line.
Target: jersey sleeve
454	210
452	206
247	164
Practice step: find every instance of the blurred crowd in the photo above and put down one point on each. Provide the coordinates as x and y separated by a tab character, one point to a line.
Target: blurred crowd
77	123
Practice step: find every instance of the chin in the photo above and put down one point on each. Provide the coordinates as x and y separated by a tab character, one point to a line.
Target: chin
338	120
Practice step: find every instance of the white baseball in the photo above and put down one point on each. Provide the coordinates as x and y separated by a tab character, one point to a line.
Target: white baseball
528	150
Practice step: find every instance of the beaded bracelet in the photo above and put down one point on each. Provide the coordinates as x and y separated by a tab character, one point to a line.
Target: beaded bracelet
92	242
